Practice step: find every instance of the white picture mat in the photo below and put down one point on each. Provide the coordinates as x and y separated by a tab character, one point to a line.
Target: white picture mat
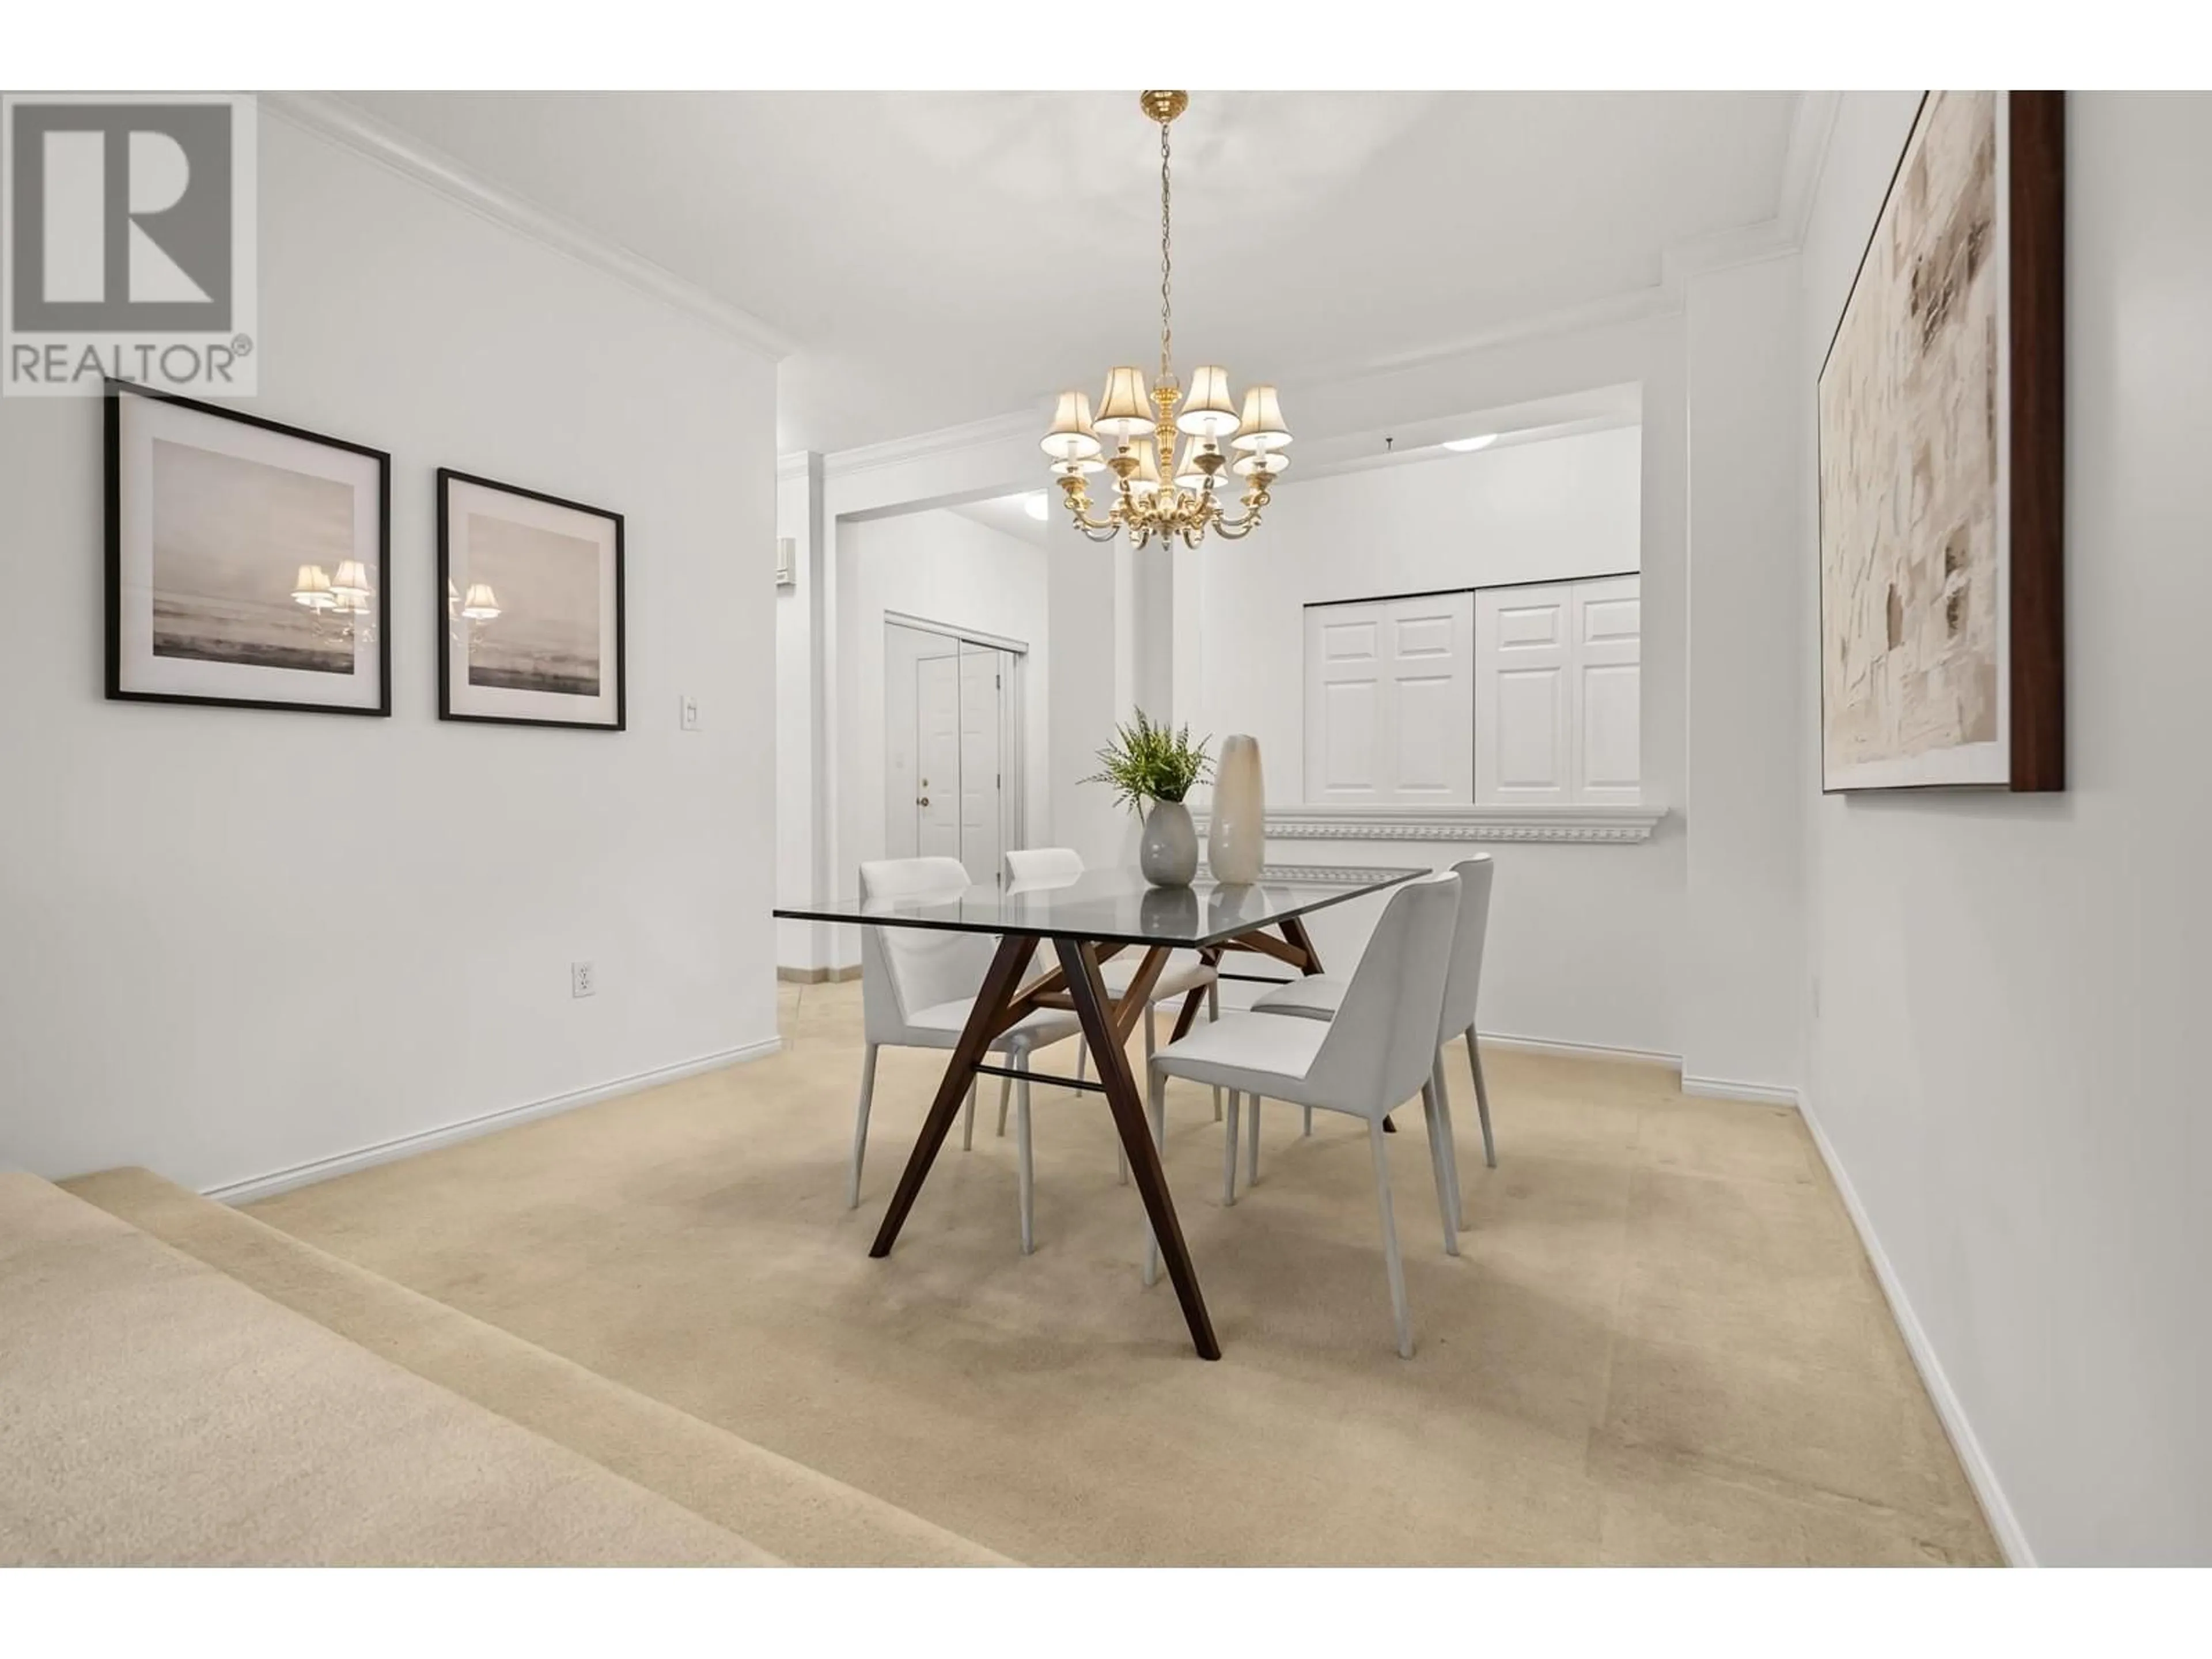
1971	763
143	420
463	499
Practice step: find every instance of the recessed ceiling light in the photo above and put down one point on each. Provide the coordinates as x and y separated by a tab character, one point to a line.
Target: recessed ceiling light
1463	445
1035	505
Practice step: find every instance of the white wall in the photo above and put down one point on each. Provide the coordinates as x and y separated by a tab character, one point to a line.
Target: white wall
238	941
1743	907
2007	1055
1583	943
945	568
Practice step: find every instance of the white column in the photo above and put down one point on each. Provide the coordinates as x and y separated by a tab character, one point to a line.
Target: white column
799	620
1090	669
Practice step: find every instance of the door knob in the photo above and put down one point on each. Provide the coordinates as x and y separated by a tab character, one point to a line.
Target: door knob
921	800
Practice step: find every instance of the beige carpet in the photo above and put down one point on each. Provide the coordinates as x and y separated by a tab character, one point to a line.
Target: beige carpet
1661	1343
153	1411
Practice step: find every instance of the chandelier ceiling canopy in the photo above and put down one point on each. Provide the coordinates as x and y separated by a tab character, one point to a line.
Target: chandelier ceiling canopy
1156	490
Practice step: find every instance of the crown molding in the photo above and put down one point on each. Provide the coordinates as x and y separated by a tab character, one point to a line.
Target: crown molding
927	445
1587	824
1806	163
1633	306
355	129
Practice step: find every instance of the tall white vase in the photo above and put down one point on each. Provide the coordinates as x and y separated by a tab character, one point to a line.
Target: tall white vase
1236	840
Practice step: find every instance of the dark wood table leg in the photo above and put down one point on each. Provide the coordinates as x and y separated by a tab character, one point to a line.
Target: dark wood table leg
1188	1016
1079	961
985	1021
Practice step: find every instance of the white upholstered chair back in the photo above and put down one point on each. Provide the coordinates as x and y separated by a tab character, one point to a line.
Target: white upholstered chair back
904	969
1381	1045
1465	979
1044	866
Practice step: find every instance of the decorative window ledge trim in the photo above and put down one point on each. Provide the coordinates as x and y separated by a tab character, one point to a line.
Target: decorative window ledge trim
1607	823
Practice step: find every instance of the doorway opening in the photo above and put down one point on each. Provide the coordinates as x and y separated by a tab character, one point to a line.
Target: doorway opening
953	745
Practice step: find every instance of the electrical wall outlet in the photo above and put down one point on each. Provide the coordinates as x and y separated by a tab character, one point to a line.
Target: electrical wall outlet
582	983
691	713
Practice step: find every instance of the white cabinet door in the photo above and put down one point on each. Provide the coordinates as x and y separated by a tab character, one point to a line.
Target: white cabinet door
1390	702
1524	694
1609	651
1558	667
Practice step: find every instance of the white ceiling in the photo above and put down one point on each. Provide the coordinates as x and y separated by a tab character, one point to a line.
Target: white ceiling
1007	515
945	258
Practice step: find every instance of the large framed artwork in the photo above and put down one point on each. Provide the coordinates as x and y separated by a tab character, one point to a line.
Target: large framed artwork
245	560
1941	441
531	587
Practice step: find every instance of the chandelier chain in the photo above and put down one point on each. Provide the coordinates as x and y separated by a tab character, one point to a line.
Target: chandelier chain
1167	329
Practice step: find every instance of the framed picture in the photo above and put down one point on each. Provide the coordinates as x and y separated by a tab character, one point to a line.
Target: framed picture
1942	435
531	587
245	560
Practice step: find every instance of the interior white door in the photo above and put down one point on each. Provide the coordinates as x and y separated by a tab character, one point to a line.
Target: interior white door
902	739
982	725
937	797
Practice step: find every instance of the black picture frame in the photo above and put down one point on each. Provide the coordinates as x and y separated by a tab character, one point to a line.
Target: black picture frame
447	477
115	391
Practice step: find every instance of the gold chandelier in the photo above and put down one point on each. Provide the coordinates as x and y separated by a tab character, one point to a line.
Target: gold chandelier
1158	492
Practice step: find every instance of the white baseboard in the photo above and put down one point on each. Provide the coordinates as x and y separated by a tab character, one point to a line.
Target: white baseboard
1983	1478
1586	1050
384	1151
1721	1088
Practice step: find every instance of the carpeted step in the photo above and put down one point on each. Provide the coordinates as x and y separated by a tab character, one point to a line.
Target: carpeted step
153	1411
794	1512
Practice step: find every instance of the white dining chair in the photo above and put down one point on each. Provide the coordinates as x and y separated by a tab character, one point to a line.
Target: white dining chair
1184	972
918	986
1317	997
1379	1050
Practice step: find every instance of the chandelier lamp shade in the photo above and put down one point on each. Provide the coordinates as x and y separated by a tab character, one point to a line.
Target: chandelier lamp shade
1156	489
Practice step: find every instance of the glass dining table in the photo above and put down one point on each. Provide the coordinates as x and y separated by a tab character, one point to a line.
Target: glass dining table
1087	920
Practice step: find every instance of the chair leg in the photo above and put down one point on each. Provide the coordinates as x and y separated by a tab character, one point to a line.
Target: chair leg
1082	1053
1397	1268
1450	1166
1439	1158
968	1122
1252	1146
1229	1152
860	1126
1160	1143
1309	1110
1481	1099
1213	1013
1005	1088
1024	1160
1150	1037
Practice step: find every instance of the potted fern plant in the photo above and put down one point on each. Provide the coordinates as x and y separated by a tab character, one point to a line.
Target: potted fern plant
1151	767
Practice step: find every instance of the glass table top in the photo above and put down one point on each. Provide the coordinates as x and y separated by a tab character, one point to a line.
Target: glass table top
1115	905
